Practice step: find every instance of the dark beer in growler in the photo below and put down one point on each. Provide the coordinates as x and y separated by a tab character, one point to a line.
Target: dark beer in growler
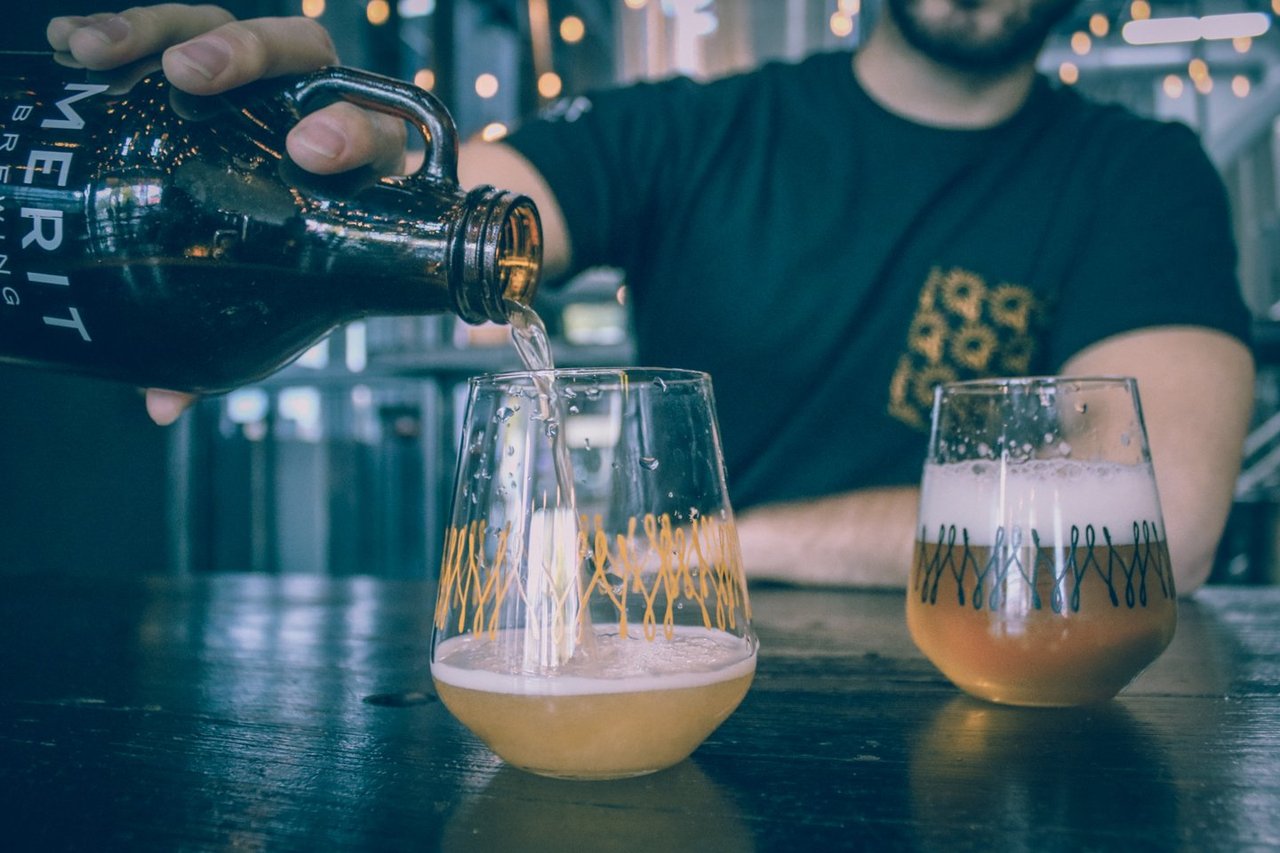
167	240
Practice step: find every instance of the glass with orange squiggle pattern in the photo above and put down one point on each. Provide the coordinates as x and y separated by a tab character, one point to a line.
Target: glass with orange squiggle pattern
592	620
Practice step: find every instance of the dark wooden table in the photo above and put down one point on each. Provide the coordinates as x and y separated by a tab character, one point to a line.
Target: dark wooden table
248	712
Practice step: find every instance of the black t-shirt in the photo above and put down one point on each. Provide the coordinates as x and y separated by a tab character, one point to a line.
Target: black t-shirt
829	262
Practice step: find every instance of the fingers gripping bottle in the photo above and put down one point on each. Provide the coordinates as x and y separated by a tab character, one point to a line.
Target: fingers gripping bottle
167	240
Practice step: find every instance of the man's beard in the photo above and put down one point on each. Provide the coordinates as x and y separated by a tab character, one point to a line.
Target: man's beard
958	44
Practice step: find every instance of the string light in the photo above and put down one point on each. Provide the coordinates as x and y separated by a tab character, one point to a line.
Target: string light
1140	10
1188	28
1099	25
1240	86
1234	25
1069	73
639	4
1080	43
841	24
1198	71
549	84
849	7
1242	44
493	131
312	8
572	29
415	8
377	12
1173	86
425	78
486	85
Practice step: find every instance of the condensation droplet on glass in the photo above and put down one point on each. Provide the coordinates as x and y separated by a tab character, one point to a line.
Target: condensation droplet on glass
511	450
593	393
648	463
1064	448
504	414
573	409
474	498
660	384
1125	439
586	442
984	450
671	494
1081	407
552	429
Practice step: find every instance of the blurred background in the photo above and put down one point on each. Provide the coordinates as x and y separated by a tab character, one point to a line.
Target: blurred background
343	462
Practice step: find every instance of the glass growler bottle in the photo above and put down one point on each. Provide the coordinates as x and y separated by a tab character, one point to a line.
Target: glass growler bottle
167	240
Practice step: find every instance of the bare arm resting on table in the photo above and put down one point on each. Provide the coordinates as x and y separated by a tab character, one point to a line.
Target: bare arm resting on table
1196	387
863	539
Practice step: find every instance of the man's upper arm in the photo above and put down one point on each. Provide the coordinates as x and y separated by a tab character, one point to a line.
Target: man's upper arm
1196	388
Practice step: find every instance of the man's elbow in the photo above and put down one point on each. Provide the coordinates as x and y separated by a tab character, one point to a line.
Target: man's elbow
1192	559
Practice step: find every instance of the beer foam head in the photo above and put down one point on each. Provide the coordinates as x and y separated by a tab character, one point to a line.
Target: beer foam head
1050	496
692	657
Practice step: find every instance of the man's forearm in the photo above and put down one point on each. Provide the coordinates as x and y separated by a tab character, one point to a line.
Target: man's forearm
861	539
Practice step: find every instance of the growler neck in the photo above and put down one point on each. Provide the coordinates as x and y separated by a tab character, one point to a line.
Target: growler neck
407	248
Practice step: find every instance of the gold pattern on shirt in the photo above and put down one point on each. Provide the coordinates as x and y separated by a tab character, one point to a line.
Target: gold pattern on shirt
963	328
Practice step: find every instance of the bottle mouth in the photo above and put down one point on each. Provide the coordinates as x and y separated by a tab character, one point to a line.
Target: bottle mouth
502	255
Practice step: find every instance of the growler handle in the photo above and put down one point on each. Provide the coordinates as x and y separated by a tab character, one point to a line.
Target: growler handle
393	97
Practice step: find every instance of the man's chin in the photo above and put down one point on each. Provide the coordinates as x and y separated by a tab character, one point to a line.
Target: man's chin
975	36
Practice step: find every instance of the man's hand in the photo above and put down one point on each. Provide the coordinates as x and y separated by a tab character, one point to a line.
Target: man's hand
206	51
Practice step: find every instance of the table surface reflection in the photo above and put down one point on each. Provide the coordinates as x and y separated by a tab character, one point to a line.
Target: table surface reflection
267	713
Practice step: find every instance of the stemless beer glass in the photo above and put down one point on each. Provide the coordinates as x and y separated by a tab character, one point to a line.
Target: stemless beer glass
592	620
1041	572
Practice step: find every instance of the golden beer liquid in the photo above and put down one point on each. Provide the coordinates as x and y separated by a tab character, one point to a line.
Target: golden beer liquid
1018	654
588	727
